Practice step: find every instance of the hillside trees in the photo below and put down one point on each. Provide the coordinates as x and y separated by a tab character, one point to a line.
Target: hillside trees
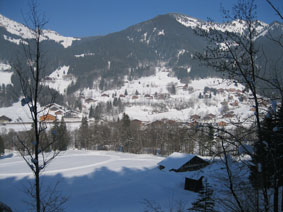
205	202
240	59
30	71
2	147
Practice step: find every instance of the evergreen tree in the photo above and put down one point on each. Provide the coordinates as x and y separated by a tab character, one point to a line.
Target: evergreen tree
84	133
98	111
126	93
204	203
55	135
108	106
63	136
101	84
91	112
2	147
267	171
126	120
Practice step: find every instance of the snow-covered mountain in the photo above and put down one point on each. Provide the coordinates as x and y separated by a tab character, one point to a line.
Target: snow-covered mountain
23	33
146	60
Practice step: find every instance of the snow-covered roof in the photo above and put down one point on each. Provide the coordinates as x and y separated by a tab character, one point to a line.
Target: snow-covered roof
176	160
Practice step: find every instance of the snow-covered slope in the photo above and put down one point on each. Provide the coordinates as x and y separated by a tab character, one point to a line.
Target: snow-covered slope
60	79
148	98
237	26
23	32
5	74
109	181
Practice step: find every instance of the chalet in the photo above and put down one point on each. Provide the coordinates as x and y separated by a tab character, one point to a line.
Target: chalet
253	109
135	97
185	87
59	112
157	123
195	117
105	95
89	101
5	119
122	95
230	97
71	115
209	116
193	124
235	103
136	122
47	117
162	96
54	108
231	90
48	78
229	115
220	90
171	122
180	162
193	185
212	116
224	103
264	103
222	124
147	95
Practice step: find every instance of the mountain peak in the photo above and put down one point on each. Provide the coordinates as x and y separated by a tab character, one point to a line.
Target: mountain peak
24	32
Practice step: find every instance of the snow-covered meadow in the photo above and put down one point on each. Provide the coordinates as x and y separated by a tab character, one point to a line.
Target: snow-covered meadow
104	181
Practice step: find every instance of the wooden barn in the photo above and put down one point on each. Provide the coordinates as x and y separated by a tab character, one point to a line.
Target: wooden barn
193	185
180	162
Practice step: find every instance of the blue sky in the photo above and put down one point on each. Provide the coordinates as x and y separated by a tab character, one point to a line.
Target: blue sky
81	18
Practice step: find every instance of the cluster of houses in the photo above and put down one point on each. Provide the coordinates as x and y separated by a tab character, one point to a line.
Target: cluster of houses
54	112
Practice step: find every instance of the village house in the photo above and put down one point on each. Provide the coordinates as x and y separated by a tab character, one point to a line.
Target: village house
162	96
59	112
105	95
5	119
195	117
209	117
235	103
47	117
135	97
253	109
181	162
229	115
54	108
89	100
222	124
137	123
193	124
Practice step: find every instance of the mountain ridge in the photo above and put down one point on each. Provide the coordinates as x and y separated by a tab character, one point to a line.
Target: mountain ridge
104	62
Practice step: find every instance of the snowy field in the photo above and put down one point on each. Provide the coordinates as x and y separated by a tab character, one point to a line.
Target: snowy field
101	181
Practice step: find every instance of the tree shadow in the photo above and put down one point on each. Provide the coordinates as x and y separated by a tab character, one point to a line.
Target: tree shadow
104	189
6	156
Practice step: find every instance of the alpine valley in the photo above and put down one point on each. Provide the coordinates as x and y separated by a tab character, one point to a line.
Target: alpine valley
148	71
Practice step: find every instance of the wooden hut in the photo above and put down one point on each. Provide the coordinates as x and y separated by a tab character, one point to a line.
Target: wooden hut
180	162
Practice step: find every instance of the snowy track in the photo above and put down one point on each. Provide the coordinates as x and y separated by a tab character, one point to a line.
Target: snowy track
70	164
